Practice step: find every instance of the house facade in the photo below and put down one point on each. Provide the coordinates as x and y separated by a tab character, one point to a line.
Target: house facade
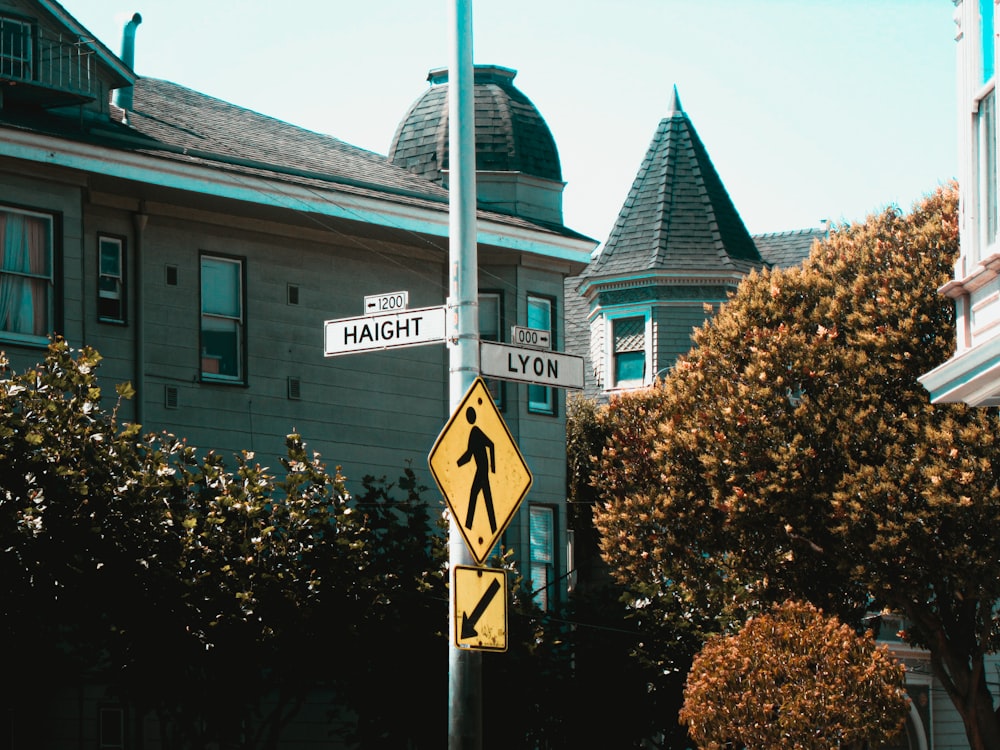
972	374
199	247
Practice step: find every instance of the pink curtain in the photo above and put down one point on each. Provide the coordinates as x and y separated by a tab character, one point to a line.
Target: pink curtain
25	274
37	235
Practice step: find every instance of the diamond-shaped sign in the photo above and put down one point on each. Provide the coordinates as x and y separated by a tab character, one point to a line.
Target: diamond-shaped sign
479	470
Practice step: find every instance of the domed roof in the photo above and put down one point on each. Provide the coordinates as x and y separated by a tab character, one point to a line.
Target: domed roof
511	135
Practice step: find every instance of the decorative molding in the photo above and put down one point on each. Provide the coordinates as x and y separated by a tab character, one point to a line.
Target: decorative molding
986	270
589	288
663	294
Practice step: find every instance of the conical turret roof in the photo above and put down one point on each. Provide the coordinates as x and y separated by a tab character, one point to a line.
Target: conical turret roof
678	217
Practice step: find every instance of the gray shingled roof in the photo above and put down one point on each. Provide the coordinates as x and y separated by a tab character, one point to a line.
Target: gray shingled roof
183	118
678	216
511	134
173	122
787	249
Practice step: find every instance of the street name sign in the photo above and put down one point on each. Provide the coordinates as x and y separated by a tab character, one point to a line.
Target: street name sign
388	302
423	325
480	608
530	337
535	366
479	470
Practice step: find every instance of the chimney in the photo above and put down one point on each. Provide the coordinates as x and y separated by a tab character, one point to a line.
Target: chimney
123	96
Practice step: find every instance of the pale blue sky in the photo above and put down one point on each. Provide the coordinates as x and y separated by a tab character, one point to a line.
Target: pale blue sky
810	109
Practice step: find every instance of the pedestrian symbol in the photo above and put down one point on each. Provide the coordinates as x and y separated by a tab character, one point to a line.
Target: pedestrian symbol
479	470
479	447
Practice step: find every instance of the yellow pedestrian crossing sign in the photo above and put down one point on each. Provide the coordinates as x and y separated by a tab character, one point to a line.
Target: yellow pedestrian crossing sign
480	615
479	470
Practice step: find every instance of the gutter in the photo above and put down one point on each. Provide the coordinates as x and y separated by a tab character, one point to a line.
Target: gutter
260	190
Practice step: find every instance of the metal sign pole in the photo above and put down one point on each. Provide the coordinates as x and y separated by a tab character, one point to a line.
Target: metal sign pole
465	711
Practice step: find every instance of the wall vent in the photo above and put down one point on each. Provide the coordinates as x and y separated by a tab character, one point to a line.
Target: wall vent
171	397
294	388
171	275
293	294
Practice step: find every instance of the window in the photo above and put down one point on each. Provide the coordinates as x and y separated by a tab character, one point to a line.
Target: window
629	354
540	397
541	530
27	295
222	319
985	139
16	48
986	164
111	279
490	316
986	43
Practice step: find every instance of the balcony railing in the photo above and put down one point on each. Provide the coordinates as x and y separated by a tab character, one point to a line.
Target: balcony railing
50	65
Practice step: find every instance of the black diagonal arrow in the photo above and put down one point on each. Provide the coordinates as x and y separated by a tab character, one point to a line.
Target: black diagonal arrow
469	621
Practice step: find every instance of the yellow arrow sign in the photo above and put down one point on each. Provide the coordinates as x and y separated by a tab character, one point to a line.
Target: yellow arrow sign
480	608
479	470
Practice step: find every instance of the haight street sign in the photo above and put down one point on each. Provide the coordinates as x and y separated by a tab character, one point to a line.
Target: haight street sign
535	366
424	325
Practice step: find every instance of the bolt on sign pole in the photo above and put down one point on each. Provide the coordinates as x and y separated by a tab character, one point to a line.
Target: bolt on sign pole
465	714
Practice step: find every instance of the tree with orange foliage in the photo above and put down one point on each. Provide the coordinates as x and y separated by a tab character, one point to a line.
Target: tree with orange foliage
794	679
794	454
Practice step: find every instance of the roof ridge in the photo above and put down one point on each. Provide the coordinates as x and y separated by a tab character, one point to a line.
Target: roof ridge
789	232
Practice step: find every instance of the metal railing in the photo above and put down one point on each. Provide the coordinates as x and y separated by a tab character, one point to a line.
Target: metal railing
26	55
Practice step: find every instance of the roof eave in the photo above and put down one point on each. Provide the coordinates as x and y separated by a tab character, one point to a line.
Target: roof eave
203	179
591	285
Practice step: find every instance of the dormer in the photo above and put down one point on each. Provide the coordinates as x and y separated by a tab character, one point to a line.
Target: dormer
48	60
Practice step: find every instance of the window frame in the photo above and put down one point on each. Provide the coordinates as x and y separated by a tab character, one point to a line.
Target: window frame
610	358
208	376
122	318
547	404
541	590
984	137
19	67
495	385
987	41
53	286
982	201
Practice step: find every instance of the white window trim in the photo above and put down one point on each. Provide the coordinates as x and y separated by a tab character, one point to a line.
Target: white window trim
241	319
120	276
610	316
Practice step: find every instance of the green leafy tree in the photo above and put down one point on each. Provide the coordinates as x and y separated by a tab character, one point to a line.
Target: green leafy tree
793	453
794	679
215	598
80	546
233	664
